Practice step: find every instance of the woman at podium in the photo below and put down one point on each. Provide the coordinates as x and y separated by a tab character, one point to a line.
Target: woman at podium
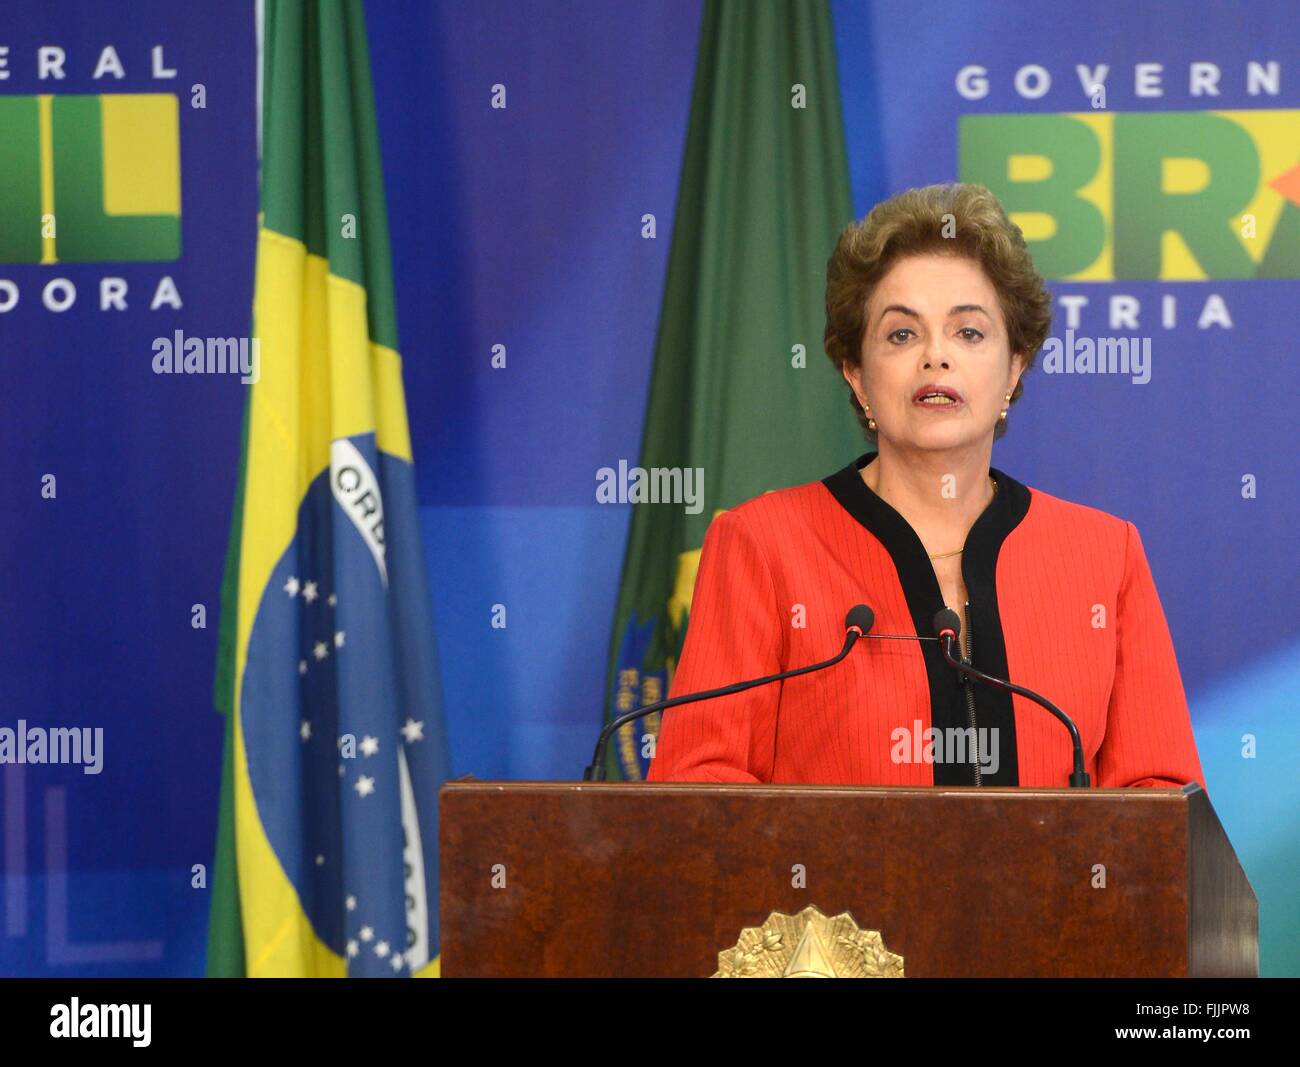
934	314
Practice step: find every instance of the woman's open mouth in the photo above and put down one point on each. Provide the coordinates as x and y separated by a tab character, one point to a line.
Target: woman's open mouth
938	397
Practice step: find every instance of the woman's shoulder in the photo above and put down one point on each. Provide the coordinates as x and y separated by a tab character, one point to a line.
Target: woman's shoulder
772	514
1068	521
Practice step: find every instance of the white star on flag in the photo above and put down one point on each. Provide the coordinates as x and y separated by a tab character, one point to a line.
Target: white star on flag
365	786
321	650
291	586
369	745
332	600
353	948
304	730
396	961
352	903
309	593
381	949
367	933
413	731
302	666
338	638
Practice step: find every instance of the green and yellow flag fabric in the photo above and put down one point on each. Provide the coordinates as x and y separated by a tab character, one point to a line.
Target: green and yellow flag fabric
328	850
741	390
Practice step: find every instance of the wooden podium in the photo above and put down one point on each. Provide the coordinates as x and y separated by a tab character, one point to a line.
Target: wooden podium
580	879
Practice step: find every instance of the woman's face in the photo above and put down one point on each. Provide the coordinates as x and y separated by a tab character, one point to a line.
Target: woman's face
935	326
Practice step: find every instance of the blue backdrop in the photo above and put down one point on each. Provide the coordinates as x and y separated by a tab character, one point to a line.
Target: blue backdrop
521	228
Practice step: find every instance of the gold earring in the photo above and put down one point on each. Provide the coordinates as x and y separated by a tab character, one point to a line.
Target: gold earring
1003	416
871	423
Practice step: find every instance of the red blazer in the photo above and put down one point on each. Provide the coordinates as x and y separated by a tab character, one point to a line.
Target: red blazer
1061	600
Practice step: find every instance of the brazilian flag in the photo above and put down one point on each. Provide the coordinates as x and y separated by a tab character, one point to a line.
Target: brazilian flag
741	387
327	857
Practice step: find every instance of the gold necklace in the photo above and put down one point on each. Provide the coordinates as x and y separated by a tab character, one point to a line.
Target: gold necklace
958	552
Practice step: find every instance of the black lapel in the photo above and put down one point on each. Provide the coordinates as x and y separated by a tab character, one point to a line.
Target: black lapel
993	708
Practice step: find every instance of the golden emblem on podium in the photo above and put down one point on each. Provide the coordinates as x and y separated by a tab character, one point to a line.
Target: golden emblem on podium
809	945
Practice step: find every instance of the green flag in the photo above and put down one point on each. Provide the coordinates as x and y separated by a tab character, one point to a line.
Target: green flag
741	392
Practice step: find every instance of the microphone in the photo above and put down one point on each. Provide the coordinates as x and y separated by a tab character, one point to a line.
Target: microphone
857	623
947	626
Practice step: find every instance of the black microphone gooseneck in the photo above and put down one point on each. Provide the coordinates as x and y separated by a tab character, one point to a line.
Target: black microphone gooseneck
857	623
947	625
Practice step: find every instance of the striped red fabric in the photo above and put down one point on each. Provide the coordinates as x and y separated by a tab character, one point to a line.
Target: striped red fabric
1081	620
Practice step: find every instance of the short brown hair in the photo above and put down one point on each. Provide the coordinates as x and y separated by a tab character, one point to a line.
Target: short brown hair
955	219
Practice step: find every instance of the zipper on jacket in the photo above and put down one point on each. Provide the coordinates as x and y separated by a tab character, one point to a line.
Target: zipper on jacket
969	686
